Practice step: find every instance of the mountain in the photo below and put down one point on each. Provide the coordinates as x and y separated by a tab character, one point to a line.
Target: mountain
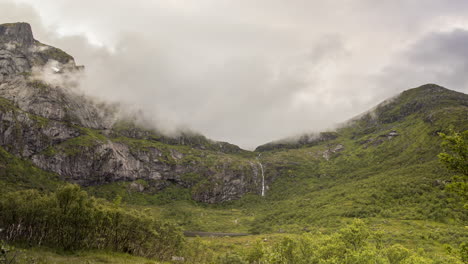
64	132
382	163
44	119
428	101
381	166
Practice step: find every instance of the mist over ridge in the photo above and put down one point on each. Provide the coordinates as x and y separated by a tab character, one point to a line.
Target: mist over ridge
222	70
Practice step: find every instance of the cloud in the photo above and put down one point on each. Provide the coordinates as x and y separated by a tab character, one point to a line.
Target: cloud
249	72
437	57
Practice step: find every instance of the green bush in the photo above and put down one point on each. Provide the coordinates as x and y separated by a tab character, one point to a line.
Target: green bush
231	258
69	219
354	244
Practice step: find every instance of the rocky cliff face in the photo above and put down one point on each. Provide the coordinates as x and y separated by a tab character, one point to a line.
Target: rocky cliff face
20	52
60	130
64	132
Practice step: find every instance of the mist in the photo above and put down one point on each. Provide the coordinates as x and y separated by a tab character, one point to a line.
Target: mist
250	72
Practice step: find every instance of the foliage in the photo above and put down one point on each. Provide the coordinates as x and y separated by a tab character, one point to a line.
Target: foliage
197	251
17	174
8	254
69	219
57	54
230	258
393	183
354	244
455	158
464	252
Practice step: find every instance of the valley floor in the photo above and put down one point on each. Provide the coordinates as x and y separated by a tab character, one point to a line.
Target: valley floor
433	240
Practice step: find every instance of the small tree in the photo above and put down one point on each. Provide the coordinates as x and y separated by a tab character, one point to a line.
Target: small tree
455	158
355	235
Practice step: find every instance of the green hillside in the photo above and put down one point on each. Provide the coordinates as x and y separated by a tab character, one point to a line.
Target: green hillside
381	167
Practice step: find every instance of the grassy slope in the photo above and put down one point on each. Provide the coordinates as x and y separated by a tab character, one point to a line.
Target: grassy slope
18	174
395	184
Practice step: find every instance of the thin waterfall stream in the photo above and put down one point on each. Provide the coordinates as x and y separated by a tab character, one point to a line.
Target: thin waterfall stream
263	175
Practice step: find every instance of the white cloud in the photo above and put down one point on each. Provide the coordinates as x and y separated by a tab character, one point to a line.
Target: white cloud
249	72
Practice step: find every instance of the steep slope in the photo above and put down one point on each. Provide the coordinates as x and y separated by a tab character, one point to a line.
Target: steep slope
428	101
44	119
64	132
381	167
381	164
21	52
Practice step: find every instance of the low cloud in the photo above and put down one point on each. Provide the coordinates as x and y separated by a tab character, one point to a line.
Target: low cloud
252	72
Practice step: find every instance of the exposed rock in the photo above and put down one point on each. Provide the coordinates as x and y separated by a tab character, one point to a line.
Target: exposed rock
19	33
380	139
24	134
55	103
66	133
20	52
327	154
176	155
135	186
176	258
392	134
338	148
440	183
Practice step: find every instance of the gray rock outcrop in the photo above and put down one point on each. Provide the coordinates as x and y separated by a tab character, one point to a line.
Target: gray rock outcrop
64	132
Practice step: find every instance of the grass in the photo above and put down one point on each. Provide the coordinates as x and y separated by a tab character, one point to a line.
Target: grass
49	256
20	174
394	183
396	179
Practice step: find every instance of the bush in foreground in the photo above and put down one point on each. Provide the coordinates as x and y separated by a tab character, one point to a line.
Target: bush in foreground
69	219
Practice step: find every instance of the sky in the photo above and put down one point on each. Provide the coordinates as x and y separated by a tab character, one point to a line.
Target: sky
253	71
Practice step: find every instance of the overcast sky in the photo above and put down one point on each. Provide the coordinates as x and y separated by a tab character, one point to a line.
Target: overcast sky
252	71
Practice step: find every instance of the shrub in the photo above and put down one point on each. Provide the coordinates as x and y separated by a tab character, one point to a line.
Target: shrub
69	219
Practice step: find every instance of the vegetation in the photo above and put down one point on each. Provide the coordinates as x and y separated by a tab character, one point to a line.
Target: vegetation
56	54
381	169
69	219
355	243
455	158
17	174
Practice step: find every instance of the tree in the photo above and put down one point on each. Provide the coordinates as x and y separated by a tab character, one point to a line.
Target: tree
455	158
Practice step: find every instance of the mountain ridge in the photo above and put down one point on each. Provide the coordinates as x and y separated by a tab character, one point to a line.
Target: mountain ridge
64	133
412	101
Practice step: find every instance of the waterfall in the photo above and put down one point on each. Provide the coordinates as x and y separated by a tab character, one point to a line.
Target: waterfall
263	175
